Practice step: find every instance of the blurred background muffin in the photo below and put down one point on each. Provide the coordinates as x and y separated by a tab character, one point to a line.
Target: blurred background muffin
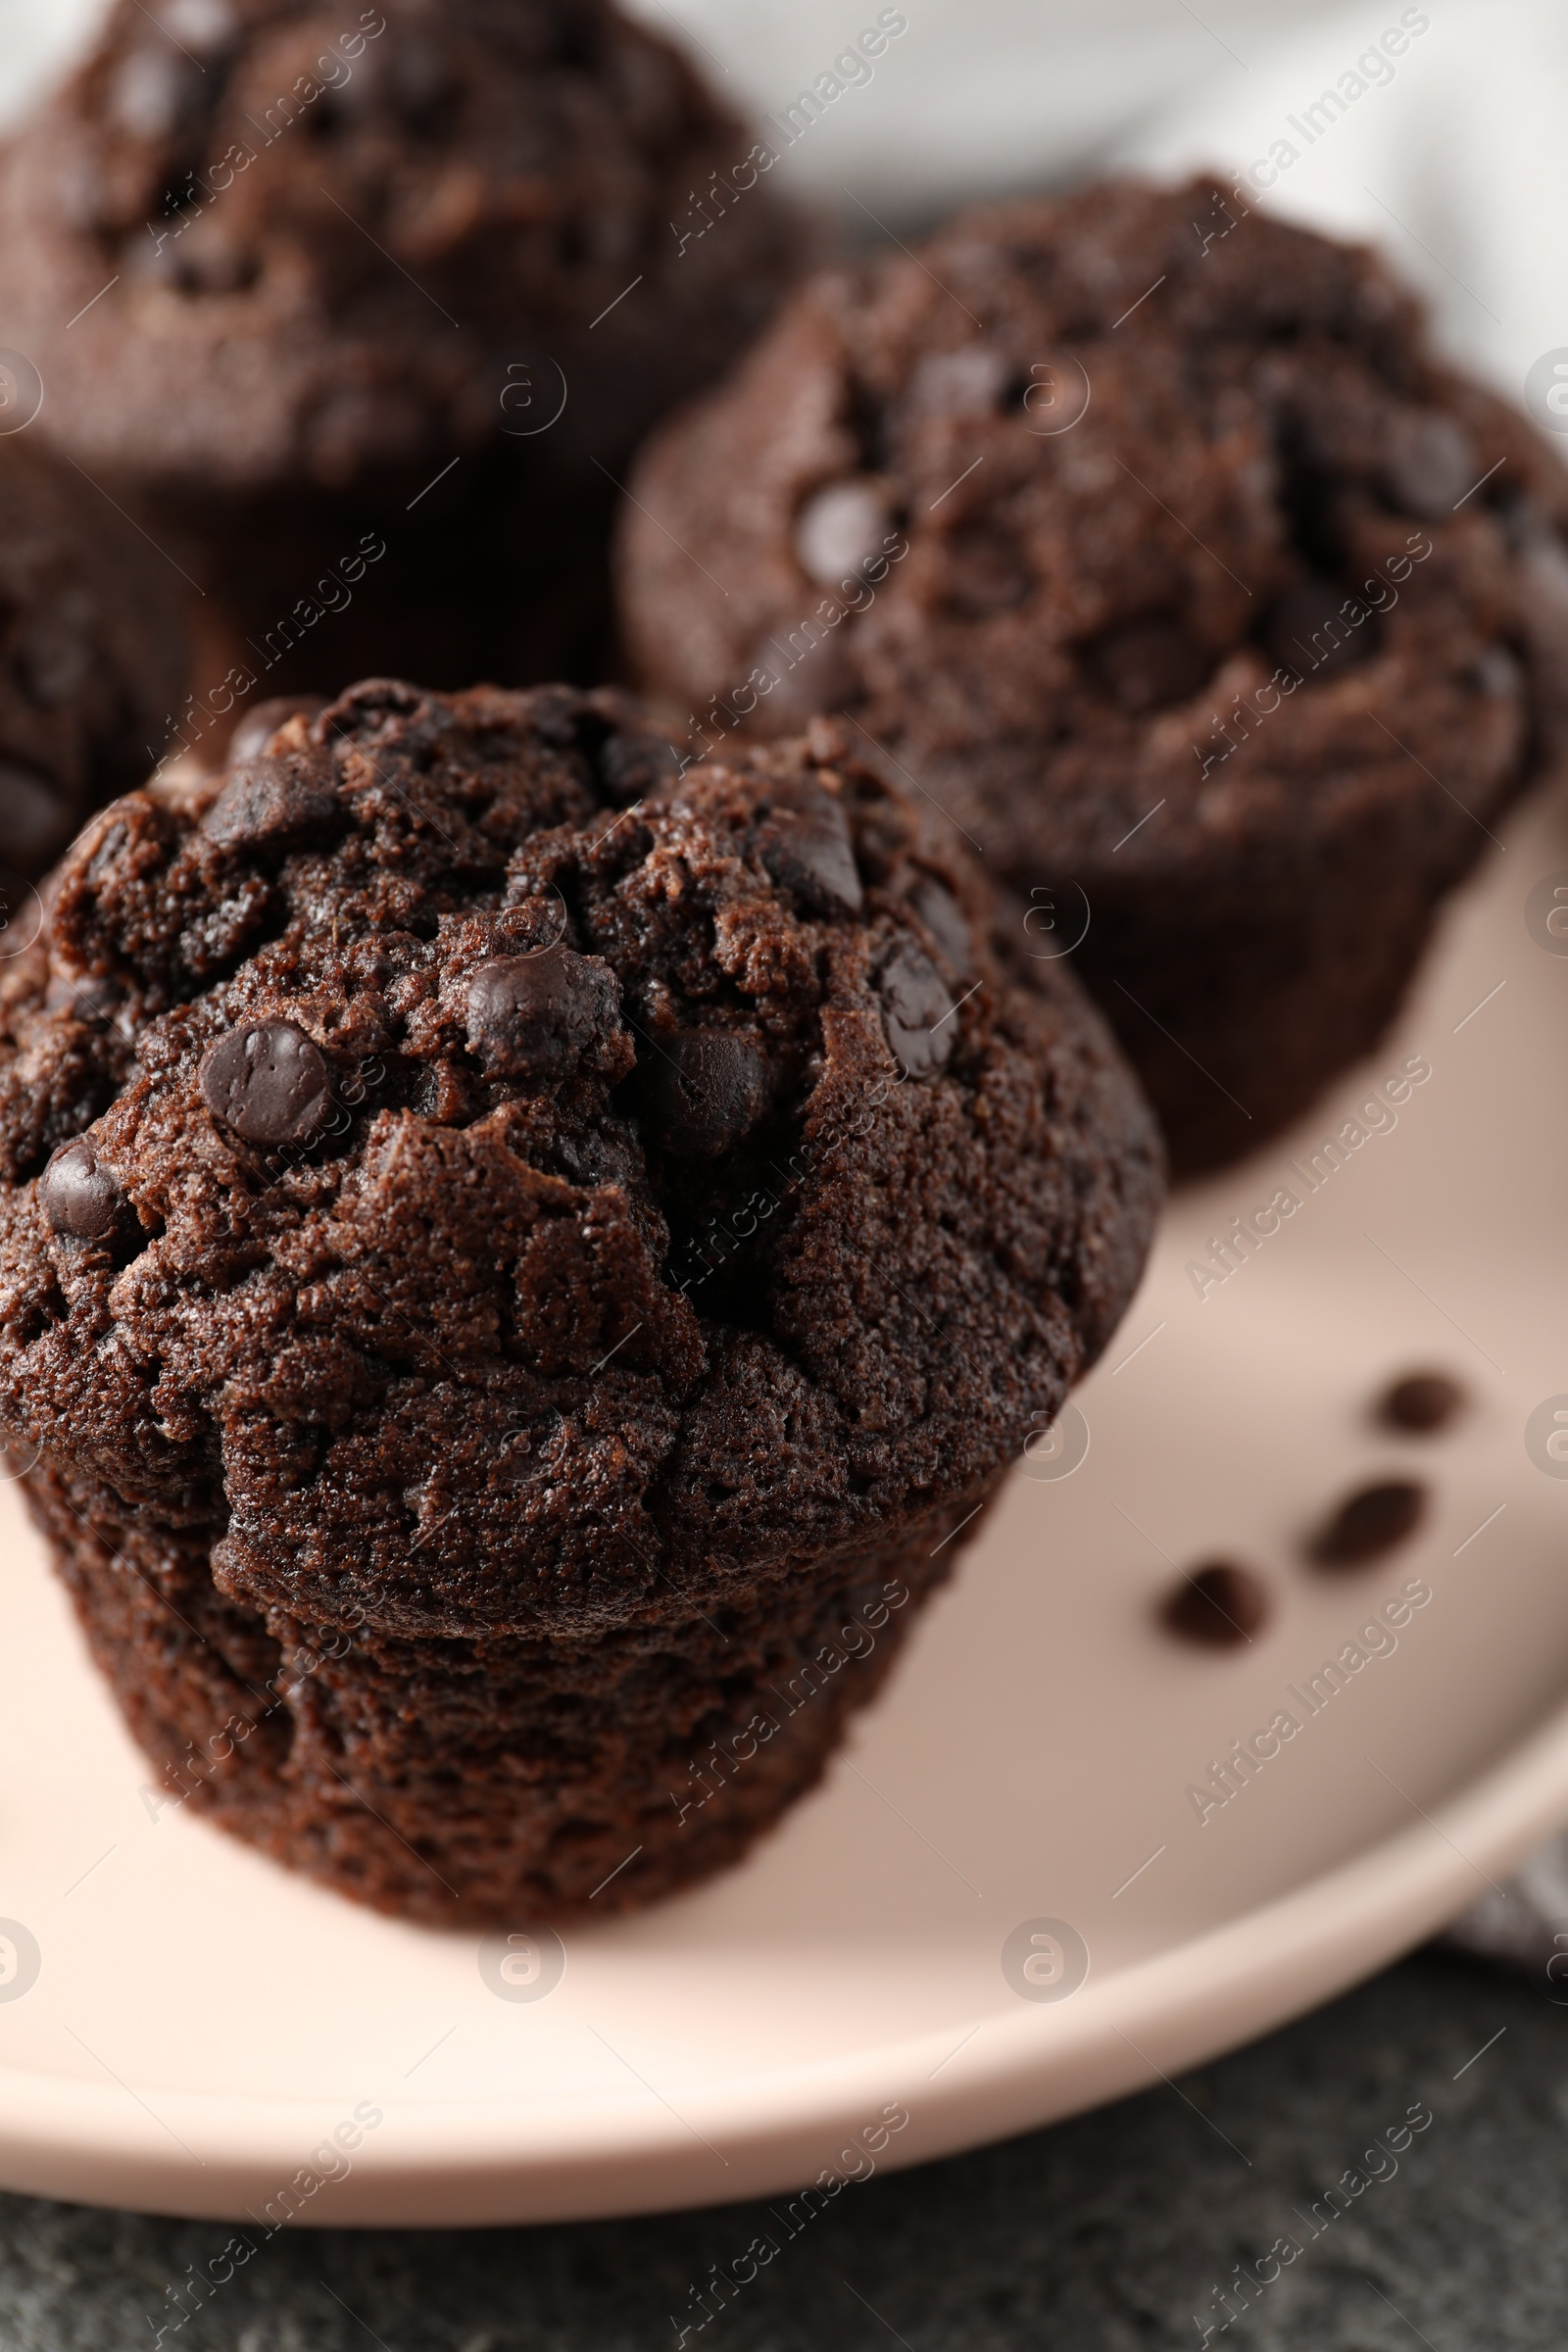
94	651
361	309
1149	538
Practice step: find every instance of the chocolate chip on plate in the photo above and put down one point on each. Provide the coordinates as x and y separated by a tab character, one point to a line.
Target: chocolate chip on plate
80	1198
1370	1522
915	1004
703	1089
1219	1604
807	846
268	1082
1421	1402
534	1016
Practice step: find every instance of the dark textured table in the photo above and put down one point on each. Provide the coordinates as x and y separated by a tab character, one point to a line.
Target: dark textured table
1108	2234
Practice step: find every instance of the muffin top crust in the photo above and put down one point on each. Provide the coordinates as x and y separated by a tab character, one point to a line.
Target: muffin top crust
491	1181
321	242
1126	499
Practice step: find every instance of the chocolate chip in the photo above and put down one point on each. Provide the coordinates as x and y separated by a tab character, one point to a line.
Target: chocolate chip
839	529
1422	1401
1369	1523
959	383
1148	663
630	767
946	921
535	1017
1309	631
80	1196
1219	1605
259	725
806	846
1431	465
273	800
915	1000
703	1090
268	1082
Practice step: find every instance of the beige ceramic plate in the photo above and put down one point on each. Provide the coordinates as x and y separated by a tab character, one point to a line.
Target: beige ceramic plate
202	2032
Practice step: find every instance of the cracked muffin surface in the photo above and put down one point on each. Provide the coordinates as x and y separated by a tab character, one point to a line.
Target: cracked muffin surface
483	1179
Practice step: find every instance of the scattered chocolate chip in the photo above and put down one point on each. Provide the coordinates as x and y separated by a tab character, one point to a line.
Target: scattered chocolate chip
1219	1604
1422	1401
259	725
1369	1523
1150	663
807	846
839	529
703	1090
535	1017
1309	631
268	1082
915	1000
272	801
946	921
1431	465
78	1195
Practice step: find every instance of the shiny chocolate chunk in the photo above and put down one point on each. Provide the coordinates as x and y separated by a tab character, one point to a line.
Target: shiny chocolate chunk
841	529
535	1017
959	383
1150	663
1422	1401
946	921
268	1082
703	1090
807	848
1432	464
1309	631
1370	1522
259	725
1219	1605
916	1006
271	801
80	1198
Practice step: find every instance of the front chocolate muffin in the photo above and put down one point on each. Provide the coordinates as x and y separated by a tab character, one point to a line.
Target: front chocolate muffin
1151	539
518	1262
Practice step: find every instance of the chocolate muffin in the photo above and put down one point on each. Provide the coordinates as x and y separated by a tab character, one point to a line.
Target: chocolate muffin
281	263
1150	538
520	1267
94	654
